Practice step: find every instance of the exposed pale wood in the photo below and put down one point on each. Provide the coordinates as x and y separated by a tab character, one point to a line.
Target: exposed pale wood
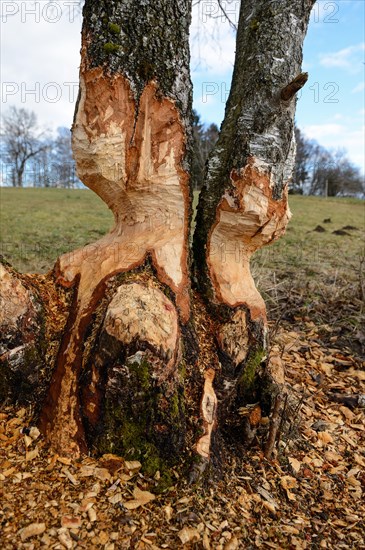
140	313
132	160
275	369
208	415
247	218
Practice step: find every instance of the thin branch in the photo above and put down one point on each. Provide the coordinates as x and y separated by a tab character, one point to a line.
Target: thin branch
234	27
352	401
274	427
293	87
282	419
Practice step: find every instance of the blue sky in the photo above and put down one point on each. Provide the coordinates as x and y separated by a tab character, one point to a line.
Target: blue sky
331	106
40	44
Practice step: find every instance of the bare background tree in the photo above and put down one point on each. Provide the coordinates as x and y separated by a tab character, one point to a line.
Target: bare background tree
319	171
22	140
63	164
205	137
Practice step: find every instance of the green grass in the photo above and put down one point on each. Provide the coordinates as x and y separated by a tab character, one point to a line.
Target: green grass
318	277
304	276
37	225
304	248
302	245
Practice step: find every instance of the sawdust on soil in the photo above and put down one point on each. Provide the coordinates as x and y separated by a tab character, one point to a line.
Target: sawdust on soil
310	495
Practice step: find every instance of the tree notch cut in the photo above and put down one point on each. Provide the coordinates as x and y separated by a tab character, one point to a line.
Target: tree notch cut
247	218
132	158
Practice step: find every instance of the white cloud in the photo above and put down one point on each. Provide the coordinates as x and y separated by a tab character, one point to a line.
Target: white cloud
319	131
40	61
359	88
349	58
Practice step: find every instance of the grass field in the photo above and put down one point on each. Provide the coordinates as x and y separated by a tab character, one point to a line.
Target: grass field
311	261
307	272
37	225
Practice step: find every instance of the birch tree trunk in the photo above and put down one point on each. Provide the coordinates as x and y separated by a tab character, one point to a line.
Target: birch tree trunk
129	357
243	205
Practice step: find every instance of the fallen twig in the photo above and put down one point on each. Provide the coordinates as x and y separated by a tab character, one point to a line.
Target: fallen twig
274	427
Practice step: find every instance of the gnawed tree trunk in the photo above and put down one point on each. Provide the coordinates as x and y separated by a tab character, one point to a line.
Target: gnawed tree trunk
130	134
243	205
22	341
146	366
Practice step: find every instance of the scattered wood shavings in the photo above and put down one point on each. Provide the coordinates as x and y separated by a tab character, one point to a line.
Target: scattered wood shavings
32	530
140	499
56	502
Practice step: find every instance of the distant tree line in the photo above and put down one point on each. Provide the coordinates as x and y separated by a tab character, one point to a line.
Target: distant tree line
31	157
319	171
205	138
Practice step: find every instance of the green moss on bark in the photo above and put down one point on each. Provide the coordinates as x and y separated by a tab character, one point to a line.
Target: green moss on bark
153	37
142	373
248	380
143	421
114	28
109	47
